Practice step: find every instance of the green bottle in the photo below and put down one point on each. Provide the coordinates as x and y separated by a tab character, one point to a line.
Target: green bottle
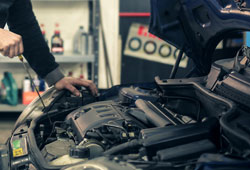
9	90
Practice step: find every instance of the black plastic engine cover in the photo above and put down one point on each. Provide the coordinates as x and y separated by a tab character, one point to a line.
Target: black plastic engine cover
96	115
165	137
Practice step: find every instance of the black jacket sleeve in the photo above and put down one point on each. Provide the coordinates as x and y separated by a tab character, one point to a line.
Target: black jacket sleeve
4	11
22	21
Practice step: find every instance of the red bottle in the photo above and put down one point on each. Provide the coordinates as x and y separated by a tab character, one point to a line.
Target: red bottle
81	74
57	42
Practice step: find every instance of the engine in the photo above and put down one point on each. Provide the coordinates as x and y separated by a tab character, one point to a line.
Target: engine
90	130
100	126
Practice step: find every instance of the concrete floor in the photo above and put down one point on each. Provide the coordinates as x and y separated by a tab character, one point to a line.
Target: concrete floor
7	121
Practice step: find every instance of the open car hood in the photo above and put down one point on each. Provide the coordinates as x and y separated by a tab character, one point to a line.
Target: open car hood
197	26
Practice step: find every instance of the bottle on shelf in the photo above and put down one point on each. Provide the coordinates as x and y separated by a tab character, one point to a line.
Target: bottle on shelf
77	41
42	86
9	90
36	83
85	43
90	43
57	42
80	42
44	32
26	85
81	73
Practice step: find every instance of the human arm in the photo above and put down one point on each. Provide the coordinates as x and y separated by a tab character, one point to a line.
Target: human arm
22	21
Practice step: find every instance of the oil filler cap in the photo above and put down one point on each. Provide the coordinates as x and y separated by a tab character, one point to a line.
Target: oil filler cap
79	152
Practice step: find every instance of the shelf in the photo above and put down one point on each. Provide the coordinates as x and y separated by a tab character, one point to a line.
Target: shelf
9	108
73	58
61	0
64	58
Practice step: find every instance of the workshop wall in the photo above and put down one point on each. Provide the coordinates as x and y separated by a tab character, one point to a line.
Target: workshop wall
70	15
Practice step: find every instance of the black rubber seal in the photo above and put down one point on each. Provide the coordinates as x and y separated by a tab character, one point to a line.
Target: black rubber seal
147	43
160	51
130	44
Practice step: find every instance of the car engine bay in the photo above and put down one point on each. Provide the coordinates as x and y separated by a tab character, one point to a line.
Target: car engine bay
115	127
172	128
166	124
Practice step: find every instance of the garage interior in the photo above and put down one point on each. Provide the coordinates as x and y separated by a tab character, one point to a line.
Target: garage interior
124	69
109	43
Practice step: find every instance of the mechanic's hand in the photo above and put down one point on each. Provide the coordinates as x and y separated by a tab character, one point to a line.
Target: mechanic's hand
11	44
70	82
